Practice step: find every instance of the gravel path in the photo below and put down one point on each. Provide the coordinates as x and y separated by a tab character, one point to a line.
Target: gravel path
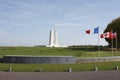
91	75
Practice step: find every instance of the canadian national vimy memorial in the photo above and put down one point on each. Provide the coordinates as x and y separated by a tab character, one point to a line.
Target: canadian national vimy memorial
53	39
59	40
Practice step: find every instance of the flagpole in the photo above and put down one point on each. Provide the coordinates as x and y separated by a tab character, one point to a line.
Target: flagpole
112	42
112	46
96	31
116	41
98	43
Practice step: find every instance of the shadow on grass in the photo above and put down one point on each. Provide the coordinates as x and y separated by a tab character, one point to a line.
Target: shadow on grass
5	70
83	48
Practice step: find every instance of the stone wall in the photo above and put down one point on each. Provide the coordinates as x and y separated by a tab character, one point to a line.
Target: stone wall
98	59
55	59
39	59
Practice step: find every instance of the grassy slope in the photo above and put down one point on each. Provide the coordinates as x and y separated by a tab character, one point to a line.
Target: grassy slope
77	52
35	51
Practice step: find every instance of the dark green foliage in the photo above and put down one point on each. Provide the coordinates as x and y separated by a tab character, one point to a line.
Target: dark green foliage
115	27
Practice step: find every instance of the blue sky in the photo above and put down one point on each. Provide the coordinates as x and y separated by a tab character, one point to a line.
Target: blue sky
28	22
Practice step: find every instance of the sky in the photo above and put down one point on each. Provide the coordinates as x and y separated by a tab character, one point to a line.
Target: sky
28	22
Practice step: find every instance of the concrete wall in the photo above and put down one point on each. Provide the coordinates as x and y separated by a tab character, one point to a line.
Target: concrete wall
55	59
39	59
98	59
1	60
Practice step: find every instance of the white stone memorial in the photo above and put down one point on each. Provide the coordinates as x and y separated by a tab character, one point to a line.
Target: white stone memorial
53	39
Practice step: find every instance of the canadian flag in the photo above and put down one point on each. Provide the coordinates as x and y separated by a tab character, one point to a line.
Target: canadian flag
109	35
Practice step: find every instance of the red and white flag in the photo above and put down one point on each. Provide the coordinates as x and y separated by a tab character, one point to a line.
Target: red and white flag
104	35
109	35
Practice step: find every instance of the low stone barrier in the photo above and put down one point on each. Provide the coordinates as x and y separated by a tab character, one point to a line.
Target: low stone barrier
55	59
98	59
39	59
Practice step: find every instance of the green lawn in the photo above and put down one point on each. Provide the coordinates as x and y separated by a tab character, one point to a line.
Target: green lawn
76	52
59	67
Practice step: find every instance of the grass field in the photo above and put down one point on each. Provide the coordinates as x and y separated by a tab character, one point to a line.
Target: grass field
59	67
76	52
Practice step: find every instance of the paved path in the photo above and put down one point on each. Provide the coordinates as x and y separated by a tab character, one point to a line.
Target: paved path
91	75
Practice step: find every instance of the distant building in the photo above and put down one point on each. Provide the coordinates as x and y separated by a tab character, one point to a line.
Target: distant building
53	39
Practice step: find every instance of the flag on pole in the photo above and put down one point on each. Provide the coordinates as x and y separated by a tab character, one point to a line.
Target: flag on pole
96	30
104	35
112	35
88	31
109	35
